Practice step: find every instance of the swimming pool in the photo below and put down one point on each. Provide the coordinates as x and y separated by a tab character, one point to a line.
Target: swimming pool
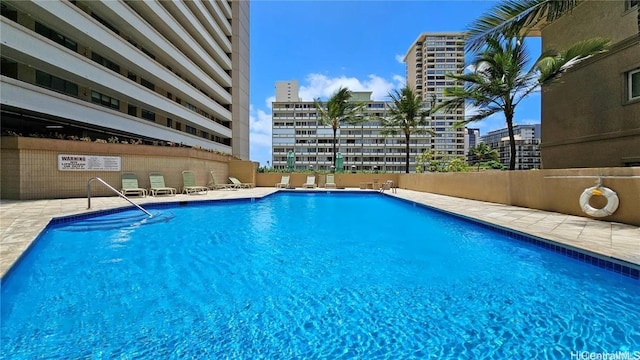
301	275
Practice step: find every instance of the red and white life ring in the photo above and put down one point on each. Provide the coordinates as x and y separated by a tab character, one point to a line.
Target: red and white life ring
610	208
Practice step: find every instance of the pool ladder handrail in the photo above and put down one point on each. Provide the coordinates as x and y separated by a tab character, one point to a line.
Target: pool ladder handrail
115	191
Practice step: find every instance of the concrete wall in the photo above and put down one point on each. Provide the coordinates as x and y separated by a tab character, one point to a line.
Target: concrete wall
30	167
550	190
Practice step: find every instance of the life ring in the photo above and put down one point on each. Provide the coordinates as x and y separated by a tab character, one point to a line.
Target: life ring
610	208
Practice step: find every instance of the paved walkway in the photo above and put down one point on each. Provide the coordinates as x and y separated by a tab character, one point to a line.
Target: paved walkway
22	221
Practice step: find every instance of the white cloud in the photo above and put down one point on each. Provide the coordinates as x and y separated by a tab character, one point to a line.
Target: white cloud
260	134
400	58
322	86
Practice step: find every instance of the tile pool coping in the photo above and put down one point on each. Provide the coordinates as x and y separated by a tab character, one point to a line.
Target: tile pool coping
603	261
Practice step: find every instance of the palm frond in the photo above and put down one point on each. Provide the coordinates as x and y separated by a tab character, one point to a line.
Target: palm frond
550	65
513	17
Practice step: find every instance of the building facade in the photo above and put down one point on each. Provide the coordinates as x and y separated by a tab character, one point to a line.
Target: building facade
591	117
429	58
527	139
296	128
155	71
471	140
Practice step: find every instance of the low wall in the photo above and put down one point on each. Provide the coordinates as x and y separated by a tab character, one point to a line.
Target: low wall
342	180
30	167
556	190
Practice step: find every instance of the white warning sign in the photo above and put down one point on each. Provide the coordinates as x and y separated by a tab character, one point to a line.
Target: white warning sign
88	163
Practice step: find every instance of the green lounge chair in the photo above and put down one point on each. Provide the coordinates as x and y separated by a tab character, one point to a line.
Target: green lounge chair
130	185
330	182
157	185
241	185
215	185
189	184
311	182
284	182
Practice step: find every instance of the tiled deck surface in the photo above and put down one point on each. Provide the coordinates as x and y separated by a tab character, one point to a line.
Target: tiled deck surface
22	221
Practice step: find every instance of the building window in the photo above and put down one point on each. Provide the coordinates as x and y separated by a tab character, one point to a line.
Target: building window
190	129
169	122
105	62
633	79
628	4
148	84
56	83
104	100
56	37
105	23
149	115
132	110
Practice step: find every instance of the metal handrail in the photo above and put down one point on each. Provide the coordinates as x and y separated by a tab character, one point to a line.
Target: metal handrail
115	191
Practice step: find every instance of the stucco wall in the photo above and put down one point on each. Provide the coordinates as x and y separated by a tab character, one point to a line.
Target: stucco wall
30	167
587	117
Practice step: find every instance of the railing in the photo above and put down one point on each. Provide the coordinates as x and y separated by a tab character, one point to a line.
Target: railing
115	191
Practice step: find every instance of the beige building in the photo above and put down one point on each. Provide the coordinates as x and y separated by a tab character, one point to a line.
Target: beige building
157	71
591	116
296	128
429	58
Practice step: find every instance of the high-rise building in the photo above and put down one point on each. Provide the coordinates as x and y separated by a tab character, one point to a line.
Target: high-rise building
527	138
471	139
296	128
429	58
173	71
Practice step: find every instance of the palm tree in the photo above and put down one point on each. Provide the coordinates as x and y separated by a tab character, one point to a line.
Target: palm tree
407	114
516	17
499	79
339	108
483	152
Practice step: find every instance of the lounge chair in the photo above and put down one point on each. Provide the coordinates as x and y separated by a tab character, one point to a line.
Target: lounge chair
388	185
189	184
130	185
330	183
214	184
311	182
284	182
157	185
241	185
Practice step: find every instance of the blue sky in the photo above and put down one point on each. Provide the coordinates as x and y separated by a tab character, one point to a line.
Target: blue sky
358	44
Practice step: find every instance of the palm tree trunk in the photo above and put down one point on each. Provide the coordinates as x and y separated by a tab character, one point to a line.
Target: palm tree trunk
512	142
334	146
406	169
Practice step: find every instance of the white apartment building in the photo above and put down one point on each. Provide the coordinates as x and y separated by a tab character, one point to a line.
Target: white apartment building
429	58
296	128
171	71
527	145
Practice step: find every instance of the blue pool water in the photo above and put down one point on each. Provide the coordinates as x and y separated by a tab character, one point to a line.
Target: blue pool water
320	275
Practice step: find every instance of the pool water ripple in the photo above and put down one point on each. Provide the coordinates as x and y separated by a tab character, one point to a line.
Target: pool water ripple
302	276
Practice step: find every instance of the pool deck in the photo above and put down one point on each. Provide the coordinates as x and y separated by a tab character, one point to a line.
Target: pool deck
22	220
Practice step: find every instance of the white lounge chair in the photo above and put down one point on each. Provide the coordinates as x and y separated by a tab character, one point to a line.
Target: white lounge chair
311	182
330	182
284	182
